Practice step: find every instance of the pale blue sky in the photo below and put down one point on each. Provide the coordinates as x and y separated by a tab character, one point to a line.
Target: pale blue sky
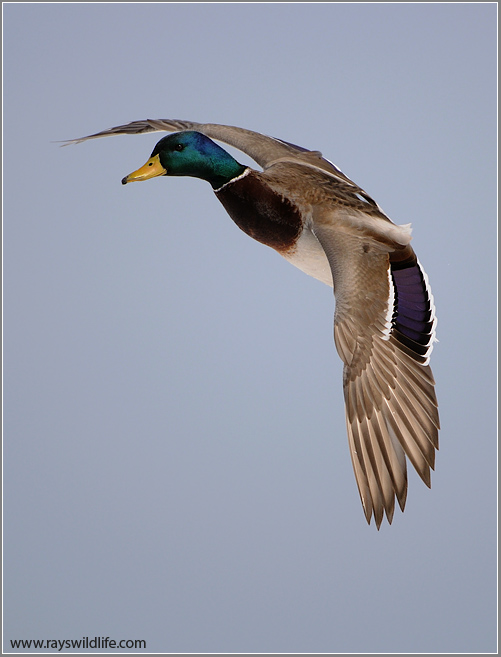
176	466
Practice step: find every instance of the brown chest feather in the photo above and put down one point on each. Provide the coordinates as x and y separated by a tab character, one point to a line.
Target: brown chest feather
261	212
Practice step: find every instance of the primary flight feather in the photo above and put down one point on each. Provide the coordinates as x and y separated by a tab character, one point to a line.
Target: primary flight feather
384	322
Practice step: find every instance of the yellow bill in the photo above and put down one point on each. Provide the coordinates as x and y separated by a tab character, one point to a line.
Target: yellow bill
151	169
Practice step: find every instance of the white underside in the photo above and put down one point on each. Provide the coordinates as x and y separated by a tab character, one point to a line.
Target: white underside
309	256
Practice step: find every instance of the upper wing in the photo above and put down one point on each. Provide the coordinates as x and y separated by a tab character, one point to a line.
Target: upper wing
264	150
384	328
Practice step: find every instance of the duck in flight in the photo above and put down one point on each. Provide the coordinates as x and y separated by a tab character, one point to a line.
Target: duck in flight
305	208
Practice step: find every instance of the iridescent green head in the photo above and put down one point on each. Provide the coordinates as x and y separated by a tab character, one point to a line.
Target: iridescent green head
189	154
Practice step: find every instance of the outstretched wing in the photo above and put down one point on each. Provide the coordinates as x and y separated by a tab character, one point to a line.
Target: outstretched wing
384	329
264	150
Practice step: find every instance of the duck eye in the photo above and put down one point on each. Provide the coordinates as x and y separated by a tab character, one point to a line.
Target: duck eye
179	147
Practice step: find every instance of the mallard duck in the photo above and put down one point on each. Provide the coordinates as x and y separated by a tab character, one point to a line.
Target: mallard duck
319	220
